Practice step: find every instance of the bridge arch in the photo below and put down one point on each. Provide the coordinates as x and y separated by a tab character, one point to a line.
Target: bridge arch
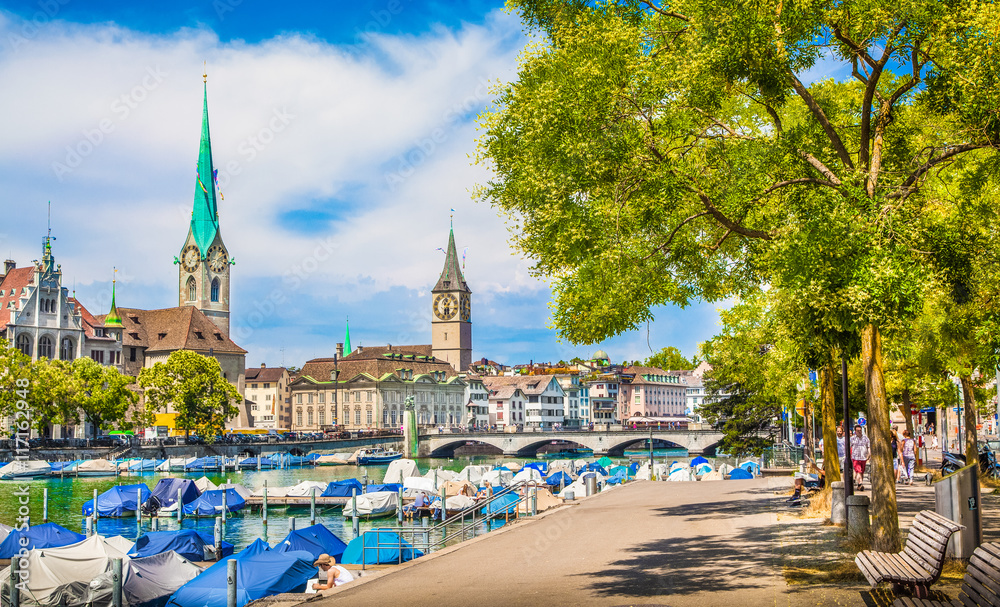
531	449
619	448
447	449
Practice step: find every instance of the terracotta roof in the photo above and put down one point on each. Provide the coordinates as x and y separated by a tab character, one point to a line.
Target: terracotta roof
17	279
88	321
376	366
366	352
170	329
529	384
266	374
504	392
640	371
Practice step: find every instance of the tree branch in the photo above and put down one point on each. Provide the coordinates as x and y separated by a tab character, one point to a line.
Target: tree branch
822	168
782	184
729	223
670	238
664	12
817	111
905	188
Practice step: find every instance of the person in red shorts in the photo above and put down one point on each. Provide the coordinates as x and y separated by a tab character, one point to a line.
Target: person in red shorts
860	452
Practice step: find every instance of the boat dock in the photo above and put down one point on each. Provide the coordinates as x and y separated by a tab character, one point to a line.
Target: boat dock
327	502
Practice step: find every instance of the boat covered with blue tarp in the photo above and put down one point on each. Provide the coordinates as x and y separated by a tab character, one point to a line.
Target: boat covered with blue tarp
165	492
504	504
260	572
209	503
559	478
379	547
118	501
373	488
205	463
343	488
47	535
739	474
315	539
188	543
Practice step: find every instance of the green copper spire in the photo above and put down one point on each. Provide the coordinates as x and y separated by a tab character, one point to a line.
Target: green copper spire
205	216
113	319
451	276
347	339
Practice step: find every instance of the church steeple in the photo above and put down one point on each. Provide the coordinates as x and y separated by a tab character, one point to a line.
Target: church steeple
205	215
347	338
113	319
451	275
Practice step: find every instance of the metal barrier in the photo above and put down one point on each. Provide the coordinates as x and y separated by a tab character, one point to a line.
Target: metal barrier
468	520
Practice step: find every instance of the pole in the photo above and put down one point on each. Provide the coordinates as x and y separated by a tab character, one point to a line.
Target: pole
355	523
138	506
848	462
89	526
96	514
15	592
263	508
218	538
231	583
312	506
45	505
444	503
180	507
116	581
399	506
291	524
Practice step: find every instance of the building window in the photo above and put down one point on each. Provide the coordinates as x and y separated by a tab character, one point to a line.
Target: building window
215	289
298	400
357	417
333	398
322	397
385	417
369	417
310	415
298	417
369	393
131	354
393	417
267	386
24	344
322	417
333	415
192	289
45	347
310	397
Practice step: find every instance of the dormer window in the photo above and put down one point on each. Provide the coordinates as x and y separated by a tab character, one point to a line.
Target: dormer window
218	336
199	335
162	335
134	319
133	334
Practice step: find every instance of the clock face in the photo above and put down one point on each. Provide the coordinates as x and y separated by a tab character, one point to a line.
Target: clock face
466	308
445	306
217	259
190	257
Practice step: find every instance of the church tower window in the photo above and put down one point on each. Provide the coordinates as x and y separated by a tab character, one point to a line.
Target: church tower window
192	289
215	290
66	349
24	344
45	347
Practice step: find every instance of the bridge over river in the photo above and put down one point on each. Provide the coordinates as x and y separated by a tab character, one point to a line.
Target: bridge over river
525	444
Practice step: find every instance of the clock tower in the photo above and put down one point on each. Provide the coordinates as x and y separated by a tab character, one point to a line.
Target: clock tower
204	263
451	313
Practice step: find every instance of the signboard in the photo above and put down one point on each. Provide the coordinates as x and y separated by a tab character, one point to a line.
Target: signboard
862	421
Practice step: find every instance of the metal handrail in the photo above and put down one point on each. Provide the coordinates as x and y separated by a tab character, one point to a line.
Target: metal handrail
441	528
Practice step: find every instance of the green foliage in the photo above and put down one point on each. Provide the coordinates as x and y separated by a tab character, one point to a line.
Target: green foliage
103	394
671	359
192	386
15	369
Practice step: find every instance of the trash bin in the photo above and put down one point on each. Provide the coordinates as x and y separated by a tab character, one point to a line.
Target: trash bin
957	497
569	495
592	484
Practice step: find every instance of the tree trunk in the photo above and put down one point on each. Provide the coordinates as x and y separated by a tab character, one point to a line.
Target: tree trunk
885	520
970	420
908	412
831	459
808	452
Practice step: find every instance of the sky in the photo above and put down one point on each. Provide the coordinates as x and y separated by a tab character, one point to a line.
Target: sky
343	134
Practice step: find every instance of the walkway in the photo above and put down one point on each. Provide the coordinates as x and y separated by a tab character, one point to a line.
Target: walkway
677	544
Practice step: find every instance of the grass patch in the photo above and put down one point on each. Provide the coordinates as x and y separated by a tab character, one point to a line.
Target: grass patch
841	572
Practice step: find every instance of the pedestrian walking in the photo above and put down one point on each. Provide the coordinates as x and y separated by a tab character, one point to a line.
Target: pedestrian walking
860	452
908	456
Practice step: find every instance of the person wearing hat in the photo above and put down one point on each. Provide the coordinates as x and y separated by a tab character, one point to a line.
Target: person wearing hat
335	574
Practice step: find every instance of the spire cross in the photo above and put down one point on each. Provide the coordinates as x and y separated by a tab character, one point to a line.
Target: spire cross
205	73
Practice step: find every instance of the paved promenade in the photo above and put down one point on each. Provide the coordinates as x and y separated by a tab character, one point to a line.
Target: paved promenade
676	544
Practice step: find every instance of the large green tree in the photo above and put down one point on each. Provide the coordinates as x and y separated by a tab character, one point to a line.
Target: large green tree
192	386
15	379
670	358
650	153
103	394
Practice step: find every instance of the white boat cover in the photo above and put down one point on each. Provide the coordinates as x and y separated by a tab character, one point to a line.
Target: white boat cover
497	478
4	531
681	475
146	581
419	483
576	487
52	568
377	503
460	502
563	466
580	463
527	475
275	491
443	475
643	473
203	485
514	467
400	470
725	469
96	466
120	543
174	463
328	460
303	489
703	468
472	473
25	468
678	466
243	491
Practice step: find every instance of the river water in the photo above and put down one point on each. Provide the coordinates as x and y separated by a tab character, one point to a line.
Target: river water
66	498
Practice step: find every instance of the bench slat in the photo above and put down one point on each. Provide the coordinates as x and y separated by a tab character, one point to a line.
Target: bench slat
984	573
922	559
917	549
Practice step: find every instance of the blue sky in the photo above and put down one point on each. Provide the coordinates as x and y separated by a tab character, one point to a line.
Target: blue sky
342	132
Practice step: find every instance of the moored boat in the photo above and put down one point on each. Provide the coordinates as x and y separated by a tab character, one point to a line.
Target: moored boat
24	469
375	457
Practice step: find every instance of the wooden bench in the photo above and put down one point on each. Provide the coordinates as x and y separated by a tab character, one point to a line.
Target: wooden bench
980	588
919	564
